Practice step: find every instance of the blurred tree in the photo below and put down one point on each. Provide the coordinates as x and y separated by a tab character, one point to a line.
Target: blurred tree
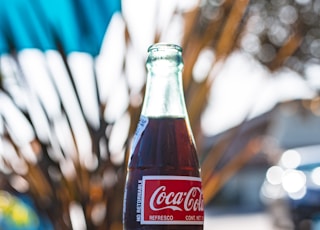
283	33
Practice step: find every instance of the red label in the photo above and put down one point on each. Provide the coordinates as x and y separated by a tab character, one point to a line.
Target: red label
171	200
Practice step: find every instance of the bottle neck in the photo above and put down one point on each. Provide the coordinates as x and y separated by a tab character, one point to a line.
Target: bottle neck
164	93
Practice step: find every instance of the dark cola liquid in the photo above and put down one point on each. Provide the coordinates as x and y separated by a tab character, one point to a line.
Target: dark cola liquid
165	147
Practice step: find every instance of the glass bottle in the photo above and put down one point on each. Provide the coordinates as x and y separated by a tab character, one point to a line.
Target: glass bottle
163	187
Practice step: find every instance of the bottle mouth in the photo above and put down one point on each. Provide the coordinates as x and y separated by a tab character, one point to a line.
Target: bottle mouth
164	46
164	55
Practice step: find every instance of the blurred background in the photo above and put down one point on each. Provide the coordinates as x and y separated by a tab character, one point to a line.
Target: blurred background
72	77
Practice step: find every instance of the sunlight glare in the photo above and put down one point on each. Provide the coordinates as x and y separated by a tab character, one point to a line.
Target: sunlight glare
77	217
118	101
141	22
17	124
119	134
109	63
65	137
293	180
203	65
315	176
81	66
33	65
274	175
135	71
290	159
10	81
70	102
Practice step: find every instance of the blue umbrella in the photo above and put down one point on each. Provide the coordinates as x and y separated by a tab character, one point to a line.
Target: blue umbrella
73	25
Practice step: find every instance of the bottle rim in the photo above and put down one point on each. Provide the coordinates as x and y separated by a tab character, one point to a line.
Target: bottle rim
163	46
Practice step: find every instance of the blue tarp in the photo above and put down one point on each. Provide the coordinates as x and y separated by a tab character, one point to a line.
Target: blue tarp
72	25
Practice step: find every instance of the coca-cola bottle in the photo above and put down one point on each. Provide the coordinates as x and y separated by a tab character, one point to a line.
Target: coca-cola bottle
163	187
